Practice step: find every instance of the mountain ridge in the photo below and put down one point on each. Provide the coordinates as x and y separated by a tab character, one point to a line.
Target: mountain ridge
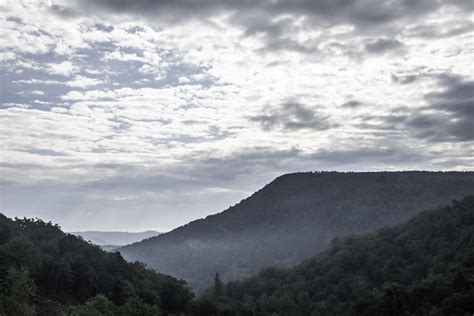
274	182
306	209
424	266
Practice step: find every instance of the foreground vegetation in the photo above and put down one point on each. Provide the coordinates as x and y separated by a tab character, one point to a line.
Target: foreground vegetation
47	272
422	267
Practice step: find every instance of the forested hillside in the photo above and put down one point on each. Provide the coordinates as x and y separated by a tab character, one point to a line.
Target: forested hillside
47	272
422	267
293	218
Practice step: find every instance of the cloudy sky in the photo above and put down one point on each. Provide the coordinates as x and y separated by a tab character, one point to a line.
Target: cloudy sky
130	115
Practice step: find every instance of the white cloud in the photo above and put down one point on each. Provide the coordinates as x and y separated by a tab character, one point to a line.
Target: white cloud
83	82
117	55
31	92
37	81
4	56
66	68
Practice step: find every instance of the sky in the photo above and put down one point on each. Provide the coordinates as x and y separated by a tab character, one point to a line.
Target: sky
147	114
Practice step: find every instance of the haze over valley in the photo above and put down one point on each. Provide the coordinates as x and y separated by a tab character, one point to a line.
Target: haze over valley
112	240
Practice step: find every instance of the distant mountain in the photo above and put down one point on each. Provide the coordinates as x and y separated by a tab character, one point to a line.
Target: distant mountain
109	248
113	239
293	218
44	271
422	267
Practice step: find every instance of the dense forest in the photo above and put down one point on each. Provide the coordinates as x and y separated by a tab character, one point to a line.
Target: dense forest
44	271
304	209
422	267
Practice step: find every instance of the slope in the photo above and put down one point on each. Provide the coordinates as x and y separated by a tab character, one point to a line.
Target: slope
422	267
292	218
66	270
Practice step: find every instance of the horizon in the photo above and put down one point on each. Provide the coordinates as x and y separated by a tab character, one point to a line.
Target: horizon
232	205
147	115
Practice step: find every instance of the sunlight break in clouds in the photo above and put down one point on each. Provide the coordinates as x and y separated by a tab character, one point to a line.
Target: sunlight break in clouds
150	114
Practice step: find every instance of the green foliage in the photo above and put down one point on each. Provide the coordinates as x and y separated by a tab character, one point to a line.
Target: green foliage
99	305
136	307
67	271
218	289
18	293
422	267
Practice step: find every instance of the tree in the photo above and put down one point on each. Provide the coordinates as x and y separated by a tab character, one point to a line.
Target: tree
137	307
218	287
102	304
262	302
18	294
304	302
67	270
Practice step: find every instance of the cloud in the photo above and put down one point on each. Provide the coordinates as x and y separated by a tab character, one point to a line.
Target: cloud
45	152
5	56
37	81
374	155
31	92
383	45
279	24
351	104
118	55
447	117
153	109
406	79
83	82
66	69
292	116
347	10
441	30
450	114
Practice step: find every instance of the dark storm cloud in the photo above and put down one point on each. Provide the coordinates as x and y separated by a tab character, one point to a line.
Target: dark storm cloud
351	104
406	79
292	116
382	45
275	20
351	11
246	162
450	115
376	155
435	31
277	34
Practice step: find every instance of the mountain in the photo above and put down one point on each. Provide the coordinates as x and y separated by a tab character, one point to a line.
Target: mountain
45	271
422	267
293	218
109	240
